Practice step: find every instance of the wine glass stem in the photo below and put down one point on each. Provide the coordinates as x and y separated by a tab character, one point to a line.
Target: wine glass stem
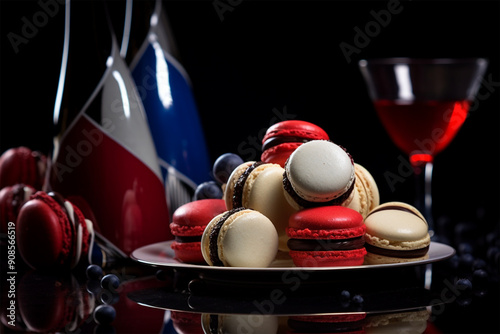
423	181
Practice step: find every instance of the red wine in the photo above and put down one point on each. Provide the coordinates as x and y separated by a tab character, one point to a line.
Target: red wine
422	129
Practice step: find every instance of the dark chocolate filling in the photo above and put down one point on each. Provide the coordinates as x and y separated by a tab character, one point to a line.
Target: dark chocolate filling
308	204
214	324
182	239
325	245
214	234
406	254
238	186
275	141
394	207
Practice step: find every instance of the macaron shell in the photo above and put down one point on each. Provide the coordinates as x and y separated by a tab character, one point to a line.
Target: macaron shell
371	187
40	236
374	259
191	218
296	128
279	154
233	178
320	171
247	239
263	191
205	239
326	222
396	229
353	257
188	252
18	165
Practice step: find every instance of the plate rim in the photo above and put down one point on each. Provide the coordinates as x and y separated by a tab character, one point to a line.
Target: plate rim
446	252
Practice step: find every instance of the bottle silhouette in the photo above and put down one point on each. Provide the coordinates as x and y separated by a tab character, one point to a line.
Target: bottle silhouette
103	151
163	84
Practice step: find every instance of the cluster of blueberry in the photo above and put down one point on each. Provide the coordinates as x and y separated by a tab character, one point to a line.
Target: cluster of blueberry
105	288
474	270
222	169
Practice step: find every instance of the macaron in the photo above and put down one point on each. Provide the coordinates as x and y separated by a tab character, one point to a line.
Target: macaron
319	173
239	323
327	236
53	233
366	194
259	186
187	226
282	138
328	323
240	238
186	322
396	232
22	165
12	198
414	321
52	303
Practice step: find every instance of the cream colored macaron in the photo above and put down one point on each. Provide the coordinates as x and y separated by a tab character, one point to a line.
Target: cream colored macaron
395	232
259	186
240	238
318	172
239	323
366	194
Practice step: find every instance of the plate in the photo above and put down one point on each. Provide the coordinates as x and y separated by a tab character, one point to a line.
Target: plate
161	255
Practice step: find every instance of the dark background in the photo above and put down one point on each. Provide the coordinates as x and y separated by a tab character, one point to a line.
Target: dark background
285	55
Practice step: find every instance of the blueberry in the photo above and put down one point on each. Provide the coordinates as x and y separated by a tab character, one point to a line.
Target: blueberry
94	272
357	299
110	282
345	295
479	264
209	189
465	248
480	276
466	261
224	166
463	284
104	314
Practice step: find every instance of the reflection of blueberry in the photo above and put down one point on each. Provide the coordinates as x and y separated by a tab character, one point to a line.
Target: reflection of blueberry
466	261
345	295
357	299
208	189
463	284
465	248
104	314
110	282
94	272
224	166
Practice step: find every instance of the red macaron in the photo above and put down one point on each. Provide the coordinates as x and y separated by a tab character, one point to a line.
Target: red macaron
282	138
22	165
327	236
12	198
52	232
188	223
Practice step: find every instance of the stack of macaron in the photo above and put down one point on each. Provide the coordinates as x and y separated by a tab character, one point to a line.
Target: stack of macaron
308	192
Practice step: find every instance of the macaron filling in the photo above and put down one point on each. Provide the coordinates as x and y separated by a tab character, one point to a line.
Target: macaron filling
406	254
309	204
214	236
275	141
240	184
183	239
326	245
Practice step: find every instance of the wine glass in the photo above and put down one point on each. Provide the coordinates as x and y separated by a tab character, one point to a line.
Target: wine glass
422	103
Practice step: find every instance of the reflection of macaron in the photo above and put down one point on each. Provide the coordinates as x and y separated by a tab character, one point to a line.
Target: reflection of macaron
22	165
282	138
318	173
188	223
48	303
398	322
240	238
326	236
52	232
328	323
366	195
239	323
396	232
259	186
12	198
186	322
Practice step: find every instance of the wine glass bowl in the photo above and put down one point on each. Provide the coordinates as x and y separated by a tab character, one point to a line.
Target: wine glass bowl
422	103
